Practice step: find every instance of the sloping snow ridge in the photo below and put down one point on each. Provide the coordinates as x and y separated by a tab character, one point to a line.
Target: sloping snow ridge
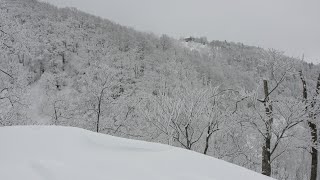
65	153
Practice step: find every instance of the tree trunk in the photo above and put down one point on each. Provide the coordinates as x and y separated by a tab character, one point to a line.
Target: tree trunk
314	135
99	110
98	114
55	116
313	128
314	152
207	140
63	60
189	145
266	154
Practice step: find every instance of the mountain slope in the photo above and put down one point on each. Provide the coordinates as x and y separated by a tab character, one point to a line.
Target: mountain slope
61	66
70	153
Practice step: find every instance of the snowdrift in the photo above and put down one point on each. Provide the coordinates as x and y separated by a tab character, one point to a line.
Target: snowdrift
64	153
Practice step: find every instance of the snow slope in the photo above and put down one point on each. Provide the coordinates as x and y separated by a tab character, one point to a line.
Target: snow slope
64	153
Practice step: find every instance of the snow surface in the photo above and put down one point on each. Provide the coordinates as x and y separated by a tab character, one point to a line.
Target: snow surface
65	153
194	46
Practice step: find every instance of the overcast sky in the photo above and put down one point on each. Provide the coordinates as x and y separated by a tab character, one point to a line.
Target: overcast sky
292	26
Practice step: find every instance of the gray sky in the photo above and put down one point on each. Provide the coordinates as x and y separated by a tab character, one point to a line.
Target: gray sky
292	26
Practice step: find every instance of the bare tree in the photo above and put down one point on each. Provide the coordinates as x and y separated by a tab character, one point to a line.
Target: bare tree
312	125
187	118
98	82
278	69
266	154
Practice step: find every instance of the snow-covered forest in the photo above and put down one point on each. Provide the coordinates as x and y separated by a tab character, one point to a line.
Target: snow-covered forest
250	106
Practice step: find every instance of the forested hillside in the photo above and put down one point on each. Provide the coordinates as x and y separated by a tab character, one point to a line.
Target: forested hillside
253	107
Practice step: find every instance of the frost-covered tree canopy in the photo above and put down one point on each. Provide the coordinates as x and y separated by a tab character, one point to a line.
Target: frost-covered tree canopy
242	104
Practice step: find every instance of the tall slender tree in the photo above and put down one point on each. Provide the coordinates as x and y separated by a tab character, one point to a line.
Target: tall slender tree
312	125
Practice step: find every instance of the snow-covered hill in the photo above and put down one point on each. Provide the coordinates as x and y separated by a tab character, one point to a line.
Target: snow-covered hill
60	153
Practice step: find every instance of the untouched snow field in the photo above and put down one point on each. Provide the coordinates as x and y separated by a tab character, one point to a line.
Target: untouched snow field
64	153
